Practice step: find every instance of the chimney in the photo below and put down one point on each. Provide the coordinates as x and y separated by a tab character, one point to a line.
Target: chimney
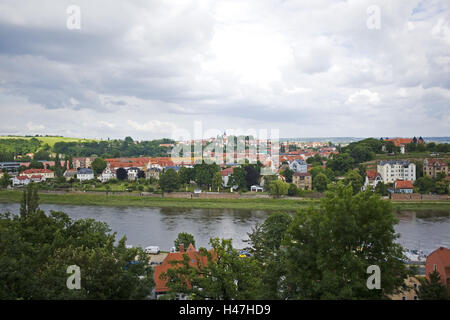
181	247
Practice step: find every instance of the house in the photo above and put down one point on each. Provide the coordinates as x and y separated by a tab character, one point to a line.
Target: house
409	293
82	162
153	172
70	173
298	165
402	142
194	258
372	179
133	173
107	175
85	174
226	174
403	186
396	170
48	174
433	167
439	260
303	180
256	188
20	180
37	178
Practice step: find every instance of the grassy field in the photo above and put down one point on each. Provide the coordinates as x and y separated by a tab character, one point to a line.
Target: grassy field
50	140
249	204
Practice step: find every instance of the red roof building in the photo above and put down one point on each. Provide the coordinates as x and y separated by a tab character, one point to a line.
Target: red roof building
439	260
194	259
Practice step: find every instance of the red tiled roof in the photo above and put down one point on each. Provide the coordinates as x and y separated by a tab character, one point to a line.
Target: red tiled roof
227	172
398	141
301	174
194	258
403	184
438	162
30	171
22	178
36	176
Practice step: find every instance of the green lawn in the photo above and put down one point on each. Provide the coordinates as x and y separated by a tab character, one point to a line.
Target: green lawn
249	204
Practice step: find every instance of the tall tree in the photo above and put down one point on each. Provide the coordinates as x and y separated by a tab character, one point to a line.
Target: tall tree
168	181
432	288
329	249
185	239
98	165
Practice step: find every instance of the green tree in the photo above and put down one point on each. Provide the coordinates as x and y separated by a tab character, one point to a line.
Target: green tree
432	288
238	178
217	181
121	174
98	165
168	181
329	249
279	188
4	180
265	241
442	186
353	178
320	182
184	238
293	191
288	173
425	184
37	248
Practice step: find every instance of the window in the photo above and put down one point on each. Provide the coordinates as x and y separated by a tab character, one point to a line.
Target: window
434	267
403	298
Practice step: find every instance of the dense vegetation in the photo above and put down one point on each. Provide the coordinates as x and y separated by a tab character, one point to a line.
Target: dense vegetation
36	250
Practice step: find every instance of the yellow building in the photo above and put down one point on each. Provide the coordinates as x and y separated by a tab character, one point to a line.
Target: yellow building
303	180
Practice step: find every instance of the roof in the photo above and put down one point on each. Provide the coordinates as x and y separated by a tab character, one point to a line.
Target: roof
435	162
227	172
399	141
194	258
22	178
36	176
403	184
394	162
301	174
85	171
31	171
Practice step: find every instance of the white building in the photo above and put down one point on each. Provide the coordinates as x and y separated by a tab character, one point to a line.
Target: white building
20	180
106	175
396	170
85	174
299	166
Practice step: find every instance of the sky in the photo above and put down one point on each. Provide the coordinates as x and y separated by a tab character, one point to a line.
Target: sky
145	69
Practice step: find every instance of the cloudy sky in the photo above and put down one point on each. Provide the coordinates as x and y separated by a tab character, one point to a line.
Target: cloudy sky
146	68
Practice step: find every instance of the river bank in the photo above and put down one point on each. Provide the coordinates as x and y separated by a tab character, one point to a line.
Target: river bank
196	203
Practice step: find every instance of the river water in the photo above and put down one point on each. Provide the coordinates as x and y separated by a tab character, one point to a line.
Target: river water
160	226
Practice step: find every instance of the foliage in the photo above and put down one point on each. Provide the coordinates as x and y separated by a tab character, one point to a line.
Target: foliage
121	174
340	163
353	178
320	182
432	288
98	165
288	173
168	181
36	250
184	238
238	178
279	188
223	275
217	181
329	249
293	191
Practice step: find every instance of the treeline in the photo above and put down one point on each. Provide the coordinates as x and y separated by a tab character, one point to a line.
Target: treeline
114	148
9	148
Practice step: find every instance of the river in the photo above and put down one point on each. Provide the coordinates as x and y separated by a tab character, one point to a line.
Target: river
160	226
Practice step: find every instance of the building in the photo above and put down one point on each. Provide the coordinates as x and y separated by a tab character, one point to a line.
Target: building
194	258
256	188
403	186
226	174
85	174
107	175
153	172
402	142
412	284
299	166
70	174
37	178
396	170
439	260
433	167
82	162
9	166
20	181
372	179
48	174
303	180
133	173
